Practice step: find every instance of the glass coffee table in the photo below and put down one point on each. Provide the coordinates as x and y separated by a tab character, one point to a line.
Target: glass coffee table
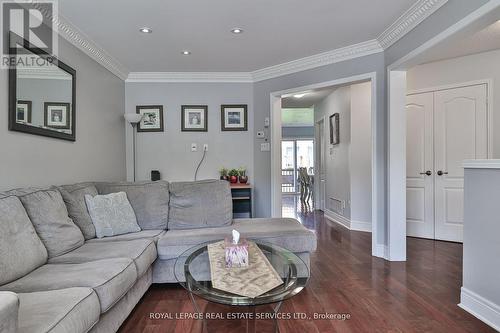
192	271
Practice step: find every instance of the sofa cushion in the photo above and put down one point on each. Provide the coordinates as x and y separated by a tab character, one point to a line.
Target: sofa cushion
74	198
284	232
21	250
201	204
9	307
110	279
153	235
111	214
141	251
73	310
49	216
148	199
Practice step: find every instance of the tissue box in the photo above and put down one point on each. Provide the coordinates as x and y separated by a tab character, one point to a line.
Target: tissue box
236	254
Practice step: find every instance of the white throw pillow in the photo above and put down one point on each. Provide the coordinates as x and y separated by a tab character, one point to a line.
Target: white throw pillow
111	214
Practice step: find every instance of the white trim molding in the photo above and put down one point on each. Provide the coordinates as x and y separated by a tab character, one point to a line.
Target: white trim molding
318	60
482	164
347	223
408	21
481	308
76	37
235	77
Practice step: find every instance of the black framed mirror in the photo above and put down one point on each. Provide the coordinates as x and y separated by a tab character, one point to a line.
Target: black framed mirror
41	92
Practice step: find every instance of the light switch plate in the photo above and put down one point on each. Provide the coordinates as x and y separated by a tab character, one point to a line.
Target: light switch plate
265	146
194	147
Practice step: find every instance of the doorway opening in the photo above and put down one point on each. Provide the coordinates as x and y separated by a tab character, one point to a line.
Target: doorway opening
323	159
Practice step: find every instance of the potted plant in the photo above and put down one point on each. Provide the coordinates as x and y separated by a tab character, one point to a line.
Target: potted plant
242	172
233	176
223	174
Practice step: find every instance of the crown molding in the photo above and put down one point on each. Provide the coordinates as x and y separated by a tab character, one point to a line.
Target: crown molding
318	60
76	37
408	21
234	77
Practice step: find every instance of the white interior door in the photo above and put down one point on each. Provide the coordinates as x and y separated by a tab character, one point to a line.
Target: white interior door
460	132
419	166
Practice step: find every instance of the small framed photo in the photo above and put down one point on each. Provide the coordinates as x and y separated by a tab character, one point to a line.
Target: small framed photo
23	112
152	118
57	115
334	129
234	118
194	118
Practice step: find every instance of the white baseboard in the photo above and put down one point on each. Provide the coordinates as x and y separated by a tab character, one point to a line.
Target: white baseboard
347	223
481	308
361	226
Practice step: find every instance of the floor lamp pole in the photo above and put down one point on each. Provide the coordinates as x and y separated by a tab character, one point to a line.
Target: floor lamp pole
134	126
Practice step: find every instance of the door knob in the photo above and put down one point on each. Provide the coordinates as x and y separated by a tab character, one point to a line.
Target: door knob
428	173
440	173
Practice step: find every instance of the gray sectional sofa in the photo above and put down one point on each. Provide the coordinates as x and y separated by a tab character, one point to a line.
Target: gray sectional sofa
56	276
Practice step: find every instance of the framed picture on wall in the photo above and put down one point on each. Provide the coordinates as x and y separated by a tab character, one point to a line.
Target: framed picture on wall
234	118
57	115
194	118
152	118
334	129
23	112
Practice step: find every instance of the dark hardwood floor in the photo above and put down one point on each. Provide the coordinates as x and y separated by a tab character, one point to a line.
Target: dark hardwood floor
420	295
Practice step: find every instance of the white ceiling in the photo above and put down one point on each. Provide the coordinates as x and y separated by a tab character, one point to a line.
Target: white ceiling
311	98
275	31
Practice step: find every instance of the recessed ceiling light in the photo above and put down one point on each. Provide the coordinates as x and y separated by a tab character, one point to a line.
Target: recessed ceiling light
237	31
186	52
299	95
146	30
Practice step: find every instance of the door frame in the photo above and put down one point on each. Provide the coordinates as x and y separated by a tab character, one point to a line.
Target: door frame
396	148
275	127
317	164
295	139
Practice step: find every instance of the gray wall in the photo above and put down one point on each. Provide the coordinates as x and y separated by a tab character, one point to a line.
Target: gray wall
348	164
99	150
337	164
361	153
481	272
170	151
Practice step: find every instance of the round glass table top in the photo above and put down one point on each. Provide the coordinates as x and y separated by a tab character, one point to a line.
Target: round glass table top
192	271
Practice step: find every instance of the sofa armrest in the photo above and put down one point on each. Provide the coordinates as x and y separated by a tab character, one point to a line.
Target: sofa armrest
9	307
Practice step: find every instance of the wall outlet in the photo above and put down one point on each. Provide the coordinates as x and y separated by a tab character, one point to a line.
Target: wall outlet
205	147
194	147
261	135
265	146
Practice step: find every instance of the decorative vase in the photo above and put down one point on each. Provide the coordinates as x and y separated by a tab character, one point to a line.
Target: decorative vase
233	179
224	178
243	179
